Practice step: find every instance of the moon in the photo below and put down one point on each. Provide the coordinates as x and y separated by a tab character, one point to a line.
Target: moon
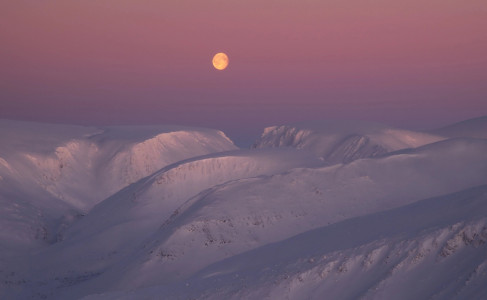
220	61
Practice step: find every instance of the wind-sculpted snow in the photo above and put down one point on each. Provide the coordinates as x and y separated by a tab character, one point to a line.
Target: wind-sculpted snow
55	169
245	214
435	248
343	142
144	158
356	211
129	217
84	170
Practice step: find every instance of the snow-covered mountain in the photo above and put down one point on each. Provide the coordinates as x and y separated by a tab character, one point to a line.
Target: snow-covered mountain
475	128
341	141
51	174
246	214
435	248
342	210
120	224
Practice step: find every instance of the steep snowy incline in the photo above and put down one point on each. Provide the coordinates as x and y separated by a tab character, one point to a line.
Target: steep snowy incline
122	164
342	215
432	249
338	141
82	166
120	223
49	173
475	128
246	214
118	226
29	203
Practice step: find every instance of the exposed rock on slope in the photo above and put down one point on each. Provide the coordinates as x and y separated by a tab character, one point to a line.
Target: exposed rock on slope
246	214
55	171
434	248
338	142
132	215
357	211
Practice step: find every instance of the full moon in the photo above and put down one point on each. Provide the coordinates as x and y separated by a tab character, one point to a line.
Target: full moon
220	61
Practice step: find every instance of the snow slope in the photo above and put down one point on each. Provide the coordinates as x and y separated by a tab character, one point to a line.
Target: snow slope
475	128
357	211
118	225
440	254
244	214
50	174
340	141
240	215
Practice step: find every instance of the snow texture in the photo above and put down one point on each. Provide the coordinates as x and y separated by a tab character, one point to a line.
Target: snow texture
336	210
340	141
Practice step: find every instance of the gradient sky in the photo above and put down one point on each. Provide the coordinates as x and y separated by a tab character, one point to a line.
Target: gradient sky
415	63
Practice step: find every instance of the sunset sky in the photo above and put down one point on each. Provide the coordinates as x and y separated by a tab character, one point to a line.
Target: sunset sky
415	63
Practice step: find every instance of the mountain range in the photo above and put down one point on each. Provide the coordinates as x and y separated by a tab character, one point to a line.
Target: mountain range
328	209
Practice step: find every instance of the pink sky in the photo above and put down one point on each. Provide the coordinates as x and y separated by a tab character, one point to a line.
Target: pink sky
417	63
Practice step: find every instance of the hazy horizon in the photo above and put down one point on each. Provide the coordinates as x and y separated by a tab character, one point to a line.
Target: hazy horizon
242	139
420	64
